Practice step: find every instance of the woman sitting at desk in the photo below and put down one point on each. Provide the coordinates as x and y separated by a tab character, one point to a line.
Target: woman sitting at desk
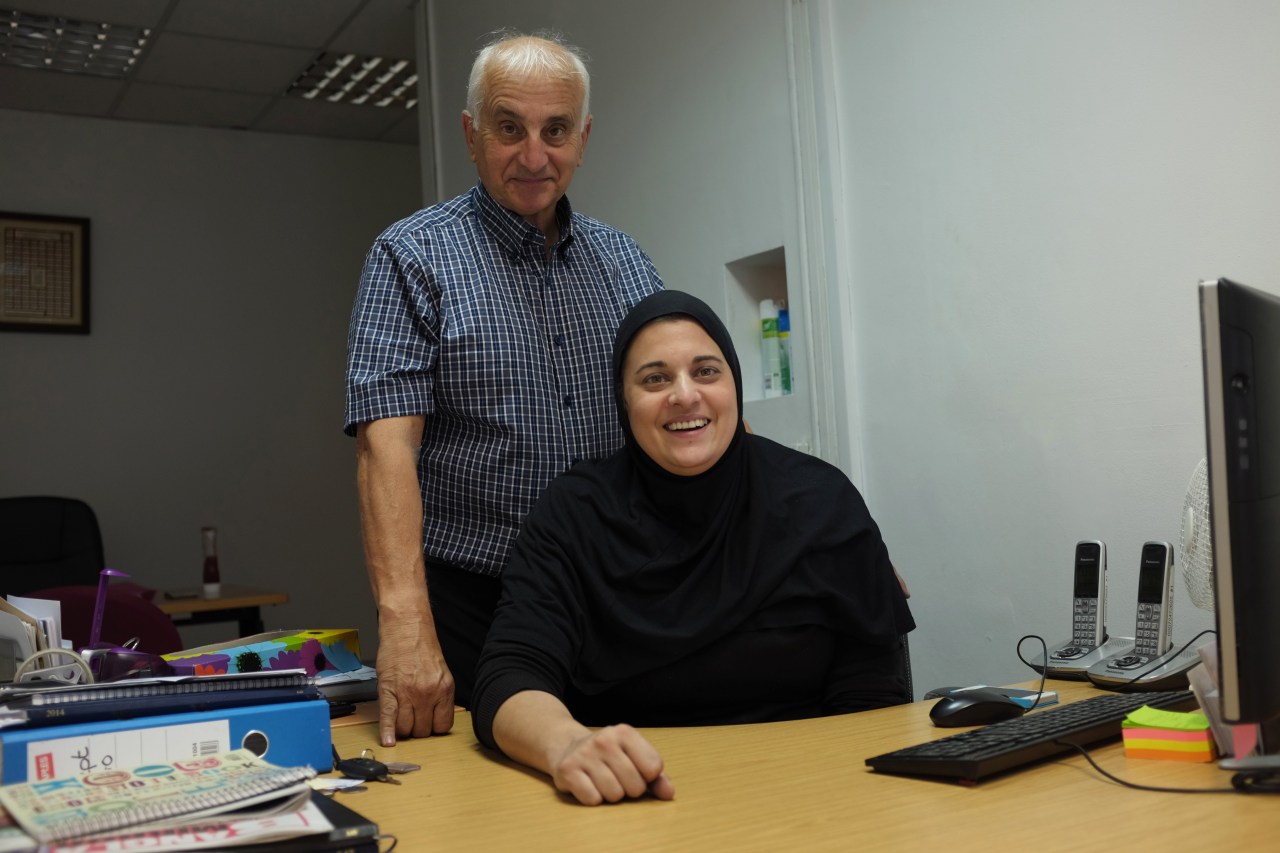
700	575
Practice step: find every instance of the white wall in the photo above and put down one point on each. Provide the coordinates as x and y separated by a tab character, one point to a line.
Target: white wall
210	390
1033	191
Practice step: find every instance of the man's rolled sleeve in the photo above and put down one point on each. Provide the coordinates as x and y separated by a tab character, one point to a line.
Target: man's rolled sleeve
391	345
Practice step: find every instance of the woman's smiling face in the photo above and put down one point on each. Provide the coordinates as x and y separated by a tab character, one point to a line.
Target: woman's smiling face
681	400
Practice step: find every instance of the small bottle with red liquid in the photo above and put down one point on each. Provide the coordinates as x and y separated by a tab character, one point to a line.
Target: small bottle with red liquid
212	580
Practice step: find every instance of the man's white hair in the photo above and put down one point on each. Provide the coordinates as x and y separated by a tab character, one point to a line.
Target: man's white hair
541	54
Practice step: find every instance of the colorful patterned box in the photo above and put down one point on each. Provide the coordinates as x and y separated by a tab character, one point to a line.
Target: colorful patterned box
323	650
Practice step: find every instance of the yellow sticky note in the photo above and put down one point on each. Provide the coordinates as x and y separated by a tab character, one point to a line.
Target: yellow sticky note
1152	718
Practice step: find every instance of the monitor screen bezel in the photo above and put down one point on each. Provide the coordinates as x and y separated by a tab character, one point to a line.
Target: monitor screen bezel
1219	498
1240	329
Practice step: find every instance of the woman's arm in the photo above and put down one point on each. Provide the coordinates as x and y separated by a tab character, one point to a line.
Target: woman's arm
605	765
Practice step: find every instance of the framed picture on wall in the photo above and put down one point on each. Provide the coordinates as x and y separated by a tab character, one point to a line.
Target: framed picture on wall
45	273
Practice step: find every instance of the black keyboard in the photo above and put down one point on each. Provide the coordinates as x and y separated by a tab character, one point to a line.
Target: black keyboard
978	753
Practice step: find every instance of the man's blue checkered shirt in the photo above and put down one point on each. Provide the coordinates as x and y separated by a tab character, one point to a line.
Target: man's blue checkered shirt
462	316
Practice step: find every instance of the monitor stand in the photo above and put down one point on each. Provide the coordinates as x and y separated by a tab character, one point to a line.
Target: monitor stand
1267	756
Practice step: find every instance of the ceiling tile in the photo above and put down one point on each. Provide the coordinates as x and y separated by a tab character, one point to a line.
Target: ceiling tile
57	92
346	121
210	63
181	105
138	13
383	28
297	23
227	63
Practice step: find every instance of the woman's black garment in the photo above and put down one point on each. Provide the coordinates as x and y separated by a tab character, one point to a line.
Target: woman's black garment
463	621
759	589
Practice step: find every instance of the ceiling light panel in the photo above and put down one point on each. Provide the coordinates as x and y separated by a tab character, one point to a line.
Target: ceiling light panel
345	78
64	44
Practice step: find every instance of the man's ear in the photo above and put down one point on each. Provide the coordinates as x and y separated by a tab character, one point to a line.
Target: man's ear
469	133
586	131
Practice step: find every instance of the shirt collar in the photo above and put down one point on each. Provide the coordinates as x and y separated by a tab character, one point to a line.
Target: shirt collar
511	232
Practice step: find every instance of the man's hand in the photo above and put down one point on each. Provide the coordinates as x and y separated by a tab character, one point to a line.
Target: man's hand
609	765
415	686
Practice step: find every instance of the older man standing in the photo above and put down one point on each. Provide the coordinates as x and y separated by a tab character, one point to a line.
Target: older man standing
478	370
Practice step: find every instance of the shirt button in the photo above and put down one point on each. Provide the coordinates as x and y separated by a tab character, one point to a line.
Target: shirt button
568	401
558	340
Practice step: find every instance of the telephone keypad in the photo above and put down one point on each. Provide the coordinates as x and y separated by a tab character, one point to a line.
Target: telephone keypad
1085	618
1147	639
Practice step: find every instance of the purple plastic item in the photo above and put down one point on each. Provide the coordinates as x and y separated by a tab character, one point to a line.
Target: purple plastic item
104	578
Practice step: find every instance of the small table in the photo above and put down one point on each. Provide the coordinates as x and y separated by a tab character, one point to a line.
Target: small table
234	603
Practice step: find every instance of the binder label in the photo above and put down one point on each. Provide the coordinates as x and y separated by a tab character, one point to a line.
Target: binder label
70	756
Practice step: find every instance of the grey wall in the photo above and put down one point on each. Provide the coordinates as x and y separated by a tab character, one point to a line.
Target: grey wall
210	391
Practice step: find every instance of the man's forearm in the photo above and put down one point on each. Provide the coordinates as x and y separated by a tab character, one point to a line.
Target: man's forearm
391	515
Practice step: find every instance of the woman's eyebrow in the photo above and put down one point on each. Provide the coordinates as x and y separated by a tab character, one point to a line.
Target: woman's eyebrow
649	364
697	359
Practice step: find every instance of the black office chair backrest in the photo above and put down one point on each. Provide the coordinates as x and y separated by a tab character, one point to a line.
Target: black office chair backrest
47	541
906	669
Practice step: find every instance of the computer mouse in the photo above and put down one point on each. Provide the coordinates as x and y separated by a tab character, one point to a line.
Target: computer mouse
977	707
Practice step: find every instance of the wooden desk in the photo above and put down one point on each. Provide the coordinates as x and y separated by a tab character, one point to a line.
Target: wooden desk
803	786
241	604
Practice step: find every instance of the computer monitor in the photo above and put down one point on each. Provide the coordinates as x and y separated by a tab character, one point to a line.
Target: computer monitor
1240	332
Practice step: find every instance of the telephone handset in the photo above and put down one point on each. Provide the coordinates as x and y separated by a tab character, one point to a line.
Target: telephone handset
1154	631
1089	602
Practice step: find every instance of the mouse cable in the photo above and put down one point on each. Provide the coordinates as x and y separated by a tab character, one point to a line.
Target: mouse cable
1044	671
1185	646
1235	789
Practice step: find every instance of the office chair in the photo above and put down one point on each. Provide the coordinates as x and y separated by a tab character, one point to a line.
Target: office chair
906	668
47	541
126	615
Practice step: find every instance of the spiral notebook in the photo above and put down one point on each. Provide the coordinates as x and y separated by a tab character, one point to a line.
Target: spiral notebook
150	697
155	796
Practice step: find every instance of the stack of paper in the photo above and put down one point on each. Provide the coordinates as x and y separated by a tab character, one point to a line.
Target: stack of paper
205	803
360	685
1168	735
52	732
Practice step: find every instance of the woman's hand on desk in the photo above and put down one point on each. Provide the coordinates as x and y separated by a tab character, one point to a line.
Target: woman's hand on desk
415	686
608	765
611	764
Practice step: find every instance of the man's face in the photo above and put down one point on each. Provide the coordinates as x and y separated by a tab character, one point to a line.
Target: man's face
528	143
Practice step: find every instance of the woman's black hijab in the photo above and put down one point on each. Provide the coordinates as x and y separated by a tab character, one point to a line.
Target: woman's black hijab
689	496
667	564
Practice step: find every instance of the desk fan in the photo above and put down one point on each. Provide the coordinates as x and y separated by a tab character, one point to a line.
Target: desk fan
1197	540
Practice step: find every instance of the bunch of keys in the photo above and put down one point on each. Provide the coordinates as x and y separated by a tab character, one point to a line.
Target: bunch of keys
369	769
